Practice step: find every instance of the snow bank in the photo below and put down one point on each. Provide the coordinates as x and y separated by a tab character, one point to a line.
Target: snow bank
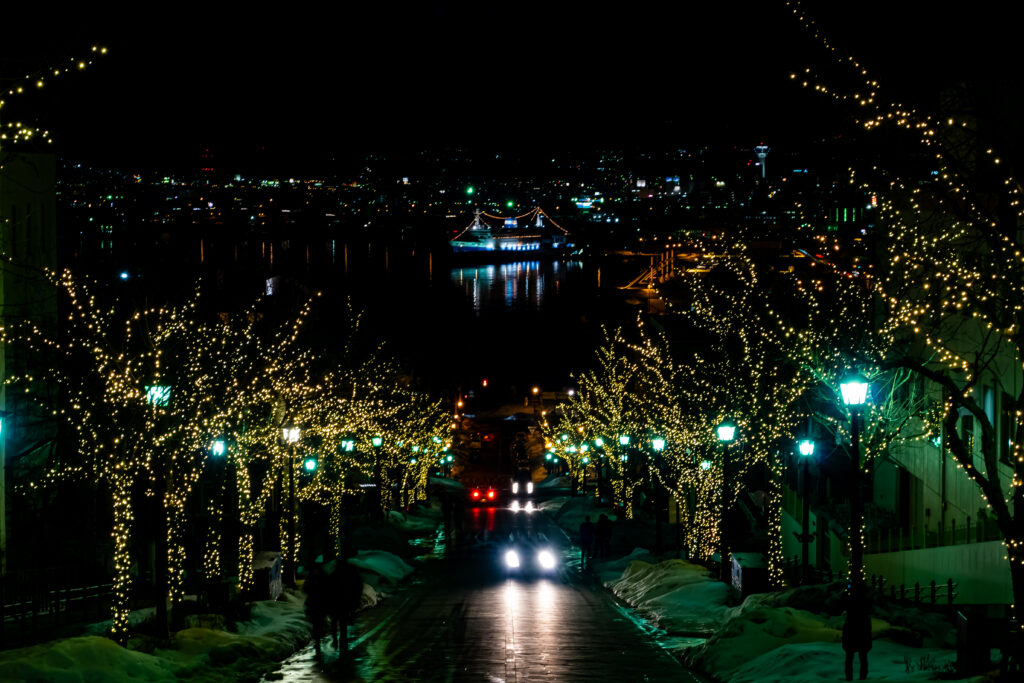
82	660
416	521
770	637
387	566
812	662
275	630
678	596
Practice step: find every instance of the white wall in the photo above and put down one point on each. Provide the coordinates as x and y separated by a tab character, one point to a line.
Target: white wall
980	569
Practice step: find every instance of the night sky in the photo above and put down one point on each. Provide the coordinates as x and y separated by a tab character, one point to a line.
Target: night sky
302	84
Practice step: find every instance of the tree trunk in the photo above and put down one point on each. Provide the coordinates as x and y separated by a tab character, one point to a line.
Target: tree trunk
122	533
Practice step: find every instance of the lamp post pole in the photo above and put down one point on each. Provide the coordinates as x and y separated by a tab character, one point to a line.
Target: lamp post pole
806	448
856	501
726	433
658	444
854	393
291	435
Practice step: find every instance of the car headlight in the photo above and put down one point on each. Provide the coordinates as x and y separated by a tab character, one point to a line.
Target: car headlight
515	487
546	559
511	559
529	487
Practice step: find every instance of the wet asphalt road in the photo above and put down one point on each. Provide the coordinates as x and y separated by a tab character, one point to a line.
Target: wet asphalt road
467	618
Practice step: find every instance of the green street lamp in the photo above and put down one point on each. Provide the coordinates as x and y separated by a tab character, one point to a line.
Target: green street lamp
806	449
290	435
854	392
658	444
624	440
309	464
218	448
726	434
599	442
377	441
726	431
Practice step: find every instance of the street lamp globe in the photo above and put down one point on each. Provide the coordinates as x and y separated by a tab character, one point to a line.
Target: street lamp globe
219	447
726	431
658	443
705	465
854	390
624	440
377	441
806	447
290	434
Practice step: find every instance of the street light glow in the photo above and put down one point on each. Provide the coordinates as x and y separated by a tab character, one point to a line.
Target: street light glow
806	447
658	443
624	440
219	447
855	391
726	432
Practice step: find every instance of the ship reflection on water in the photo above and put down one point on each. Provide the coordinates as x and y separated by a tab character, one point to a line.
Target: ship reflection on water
522	285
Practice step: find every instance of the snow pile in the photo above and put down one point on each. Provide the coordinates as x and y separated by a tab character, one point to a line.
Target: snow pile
418	520
771	638
812	662
555	482
82	660
387	566
275	630
551	505
676	595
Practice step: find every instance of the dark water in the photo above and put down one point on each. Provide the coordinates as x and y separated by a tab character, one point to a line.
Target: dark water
452	324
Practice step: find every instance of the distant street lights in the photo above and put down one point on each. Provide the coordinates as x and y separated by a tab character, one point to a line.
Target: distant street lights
806	448
726	433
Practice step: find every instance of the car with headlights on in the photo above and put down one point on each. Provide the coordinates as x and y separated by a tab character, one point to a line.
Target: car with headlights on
534	559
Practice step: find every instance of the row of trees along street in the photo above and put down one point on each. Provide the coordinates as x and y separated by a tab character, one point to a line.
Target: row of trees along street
925	307
154	398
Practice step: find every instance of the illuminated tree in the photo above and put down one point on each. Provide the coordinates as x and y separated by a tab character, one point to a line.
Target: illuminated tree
607	406
951	279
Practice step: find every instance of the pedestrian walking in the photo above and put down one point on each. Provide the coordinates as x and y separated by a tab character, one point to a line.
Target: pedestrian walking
604	536
857	629
318	597
345	598
587	534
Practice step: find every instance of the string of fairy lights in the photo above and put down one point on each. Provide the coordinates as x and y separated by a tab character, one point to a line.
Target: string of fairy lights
19	131
953	282
157	396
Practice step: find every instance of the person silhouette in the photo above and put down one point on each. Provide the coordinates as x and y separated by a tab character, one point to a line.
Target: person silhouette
857	629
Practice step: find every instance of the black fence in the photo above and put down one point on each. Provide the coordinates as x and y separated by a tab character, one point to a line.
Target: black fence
39	603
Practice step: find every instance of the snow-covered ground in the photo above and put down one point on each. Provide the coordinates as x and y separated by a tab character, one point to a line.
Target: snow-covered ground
791	636
208	652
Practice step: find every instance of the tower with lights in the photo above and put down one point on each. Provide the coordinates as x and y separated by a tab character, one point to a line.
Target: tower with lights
762	152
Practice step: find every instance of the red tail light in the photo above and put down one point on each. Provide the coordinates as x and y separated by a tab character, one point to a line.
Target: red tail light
490	494
475	494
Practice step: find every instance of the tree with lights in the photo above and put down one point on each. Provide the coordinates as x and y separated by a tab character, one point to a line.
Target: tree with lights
607	408
951	280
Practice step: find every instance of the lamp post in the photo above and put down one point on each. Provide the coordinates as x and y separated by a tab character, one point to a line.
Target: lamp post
726	433
658	444
377	509
290	435
854	391
806	448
